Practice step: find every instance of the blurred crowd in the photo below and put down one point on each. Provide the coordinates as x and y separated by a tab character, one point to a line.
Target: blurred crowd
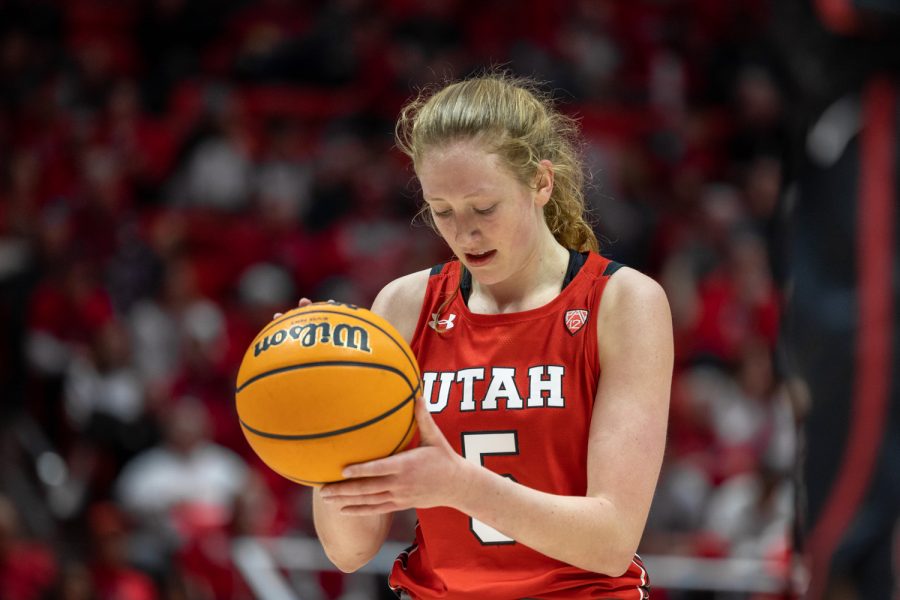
176	171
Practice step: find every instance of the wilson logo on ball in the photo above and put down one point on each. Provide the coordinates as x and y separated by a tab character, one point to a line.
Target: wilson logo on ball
326	386
342	336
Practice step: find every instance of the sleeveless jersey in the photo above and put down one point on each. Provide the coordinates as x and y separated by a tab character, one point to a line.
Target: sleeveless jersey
514	392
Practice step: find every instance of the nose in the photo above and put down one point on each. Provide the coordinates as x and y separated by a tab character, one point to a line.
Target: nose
467	230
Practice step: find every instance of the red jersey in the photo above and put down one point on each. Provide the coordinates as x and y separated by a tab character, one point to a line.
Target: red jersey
514	392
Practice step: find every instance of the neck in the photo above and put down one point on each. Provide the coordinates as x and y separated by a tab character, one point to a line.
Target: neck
535	283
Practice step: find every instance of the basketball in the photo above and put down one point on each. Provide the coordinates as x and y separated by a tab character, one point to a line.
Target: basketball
325	386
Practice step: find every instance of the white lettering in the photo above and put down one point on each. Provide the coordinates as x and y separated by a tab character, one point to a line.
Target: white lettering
428	379
539	385
468	377
503	385
545	388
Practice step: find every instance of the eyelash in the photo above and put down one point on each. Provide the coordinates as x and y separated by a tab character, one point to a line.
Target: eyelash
446	213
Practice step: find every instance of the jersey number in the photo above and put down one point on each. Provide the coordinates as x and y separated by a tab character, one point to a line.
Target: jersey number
475	446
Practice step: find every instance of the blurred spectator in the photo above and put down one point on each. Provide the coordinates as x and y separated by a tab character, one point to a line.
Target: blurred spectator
283	179
103	392
184	485
373	237
156	325
65	308
206	371
736	301
106	408
205	557
760	128
218	171
27	568
112	577
74	583
752	514
144	144
172	37
20	193
264	38
589	46
263	290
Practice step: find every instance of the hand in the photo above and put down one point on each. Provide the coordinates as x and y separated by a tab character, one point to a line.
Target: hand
303	302
430	475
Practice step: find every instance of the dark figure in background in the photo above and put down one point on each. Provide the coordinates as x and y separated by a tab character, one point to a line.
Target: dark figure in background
843	322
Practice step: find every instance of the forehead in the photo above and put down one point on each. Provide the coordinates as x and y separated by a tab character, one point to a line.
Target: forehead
460	169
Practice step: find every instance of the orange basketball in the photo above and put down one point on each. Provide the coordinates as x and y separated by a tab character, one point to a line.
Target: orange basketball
325	386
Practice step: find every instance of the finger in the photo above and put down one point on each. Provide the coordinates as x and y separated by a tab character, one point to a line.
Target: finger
428	429
371	509
358	500
374	468
356	487
276	315
304	302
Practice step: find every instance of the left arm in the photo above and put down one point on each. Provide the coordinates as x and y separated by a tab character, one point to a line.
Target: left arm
598	532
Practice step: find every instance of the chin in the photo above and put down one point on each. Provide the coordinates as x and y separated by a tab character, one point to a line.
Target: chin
486	276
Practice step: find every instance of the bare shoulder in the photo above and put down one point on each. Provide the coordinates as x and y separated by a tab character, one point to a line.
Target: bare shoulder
631	289
400	302
633	309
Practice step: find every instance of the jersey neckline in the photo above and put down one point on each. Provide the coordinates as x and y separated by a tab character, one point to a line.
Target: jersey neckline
462	308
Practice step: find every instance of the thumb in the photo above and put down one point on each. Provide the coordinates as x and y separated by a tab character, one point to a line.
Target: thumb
429	433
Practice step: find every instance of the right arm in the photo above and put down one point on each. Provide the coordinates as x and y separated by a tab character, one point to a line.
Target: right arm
350	541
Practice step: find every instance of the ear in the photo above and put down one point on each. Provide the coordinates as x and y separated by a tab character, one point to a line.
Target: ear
543	183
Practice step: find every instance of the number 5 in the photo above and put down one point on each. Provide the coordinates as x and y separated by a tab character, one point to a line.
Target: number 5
475	446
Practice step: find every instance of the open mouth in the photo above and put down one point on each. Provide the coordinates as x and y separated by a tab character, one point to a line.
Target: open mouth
476	260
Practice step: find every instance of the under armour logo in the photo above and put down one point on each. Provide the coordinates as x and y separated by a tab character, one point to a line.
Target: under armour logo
442	324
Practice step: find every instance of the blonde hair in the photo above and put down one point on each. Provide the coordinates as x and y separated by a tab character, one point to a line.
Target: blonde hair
516	122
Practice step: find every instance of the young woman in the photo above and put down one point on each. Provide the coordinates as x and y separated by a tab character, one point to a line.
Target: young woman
546	372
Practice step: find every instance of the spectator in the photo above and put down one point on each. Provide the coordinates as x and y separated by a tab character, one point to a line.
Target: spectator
112	577
27	568
104	397
218	172
182	485
74	583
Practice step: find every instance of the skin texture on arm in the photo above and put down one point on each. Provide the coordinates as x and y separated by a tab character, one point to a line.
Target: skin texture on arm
599	532
350	541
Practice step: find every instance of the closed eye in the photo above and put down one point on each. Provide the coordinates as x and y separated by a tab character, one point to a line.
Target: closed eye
486	211
442	213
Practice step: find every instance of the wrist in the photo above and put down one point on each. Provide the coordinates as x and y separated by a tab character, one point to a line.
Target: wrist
462	484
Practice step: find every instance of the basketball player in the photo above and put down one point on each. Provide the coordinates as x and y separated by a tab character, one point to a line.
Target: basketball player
546	372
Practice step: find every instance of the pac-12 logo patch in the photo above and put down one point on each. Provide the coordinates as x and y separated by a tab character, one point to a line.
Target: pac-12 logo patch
575	320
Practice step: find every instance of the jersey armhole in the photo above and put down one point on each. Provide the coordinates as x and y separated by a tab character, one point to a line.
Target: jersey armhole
611	268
